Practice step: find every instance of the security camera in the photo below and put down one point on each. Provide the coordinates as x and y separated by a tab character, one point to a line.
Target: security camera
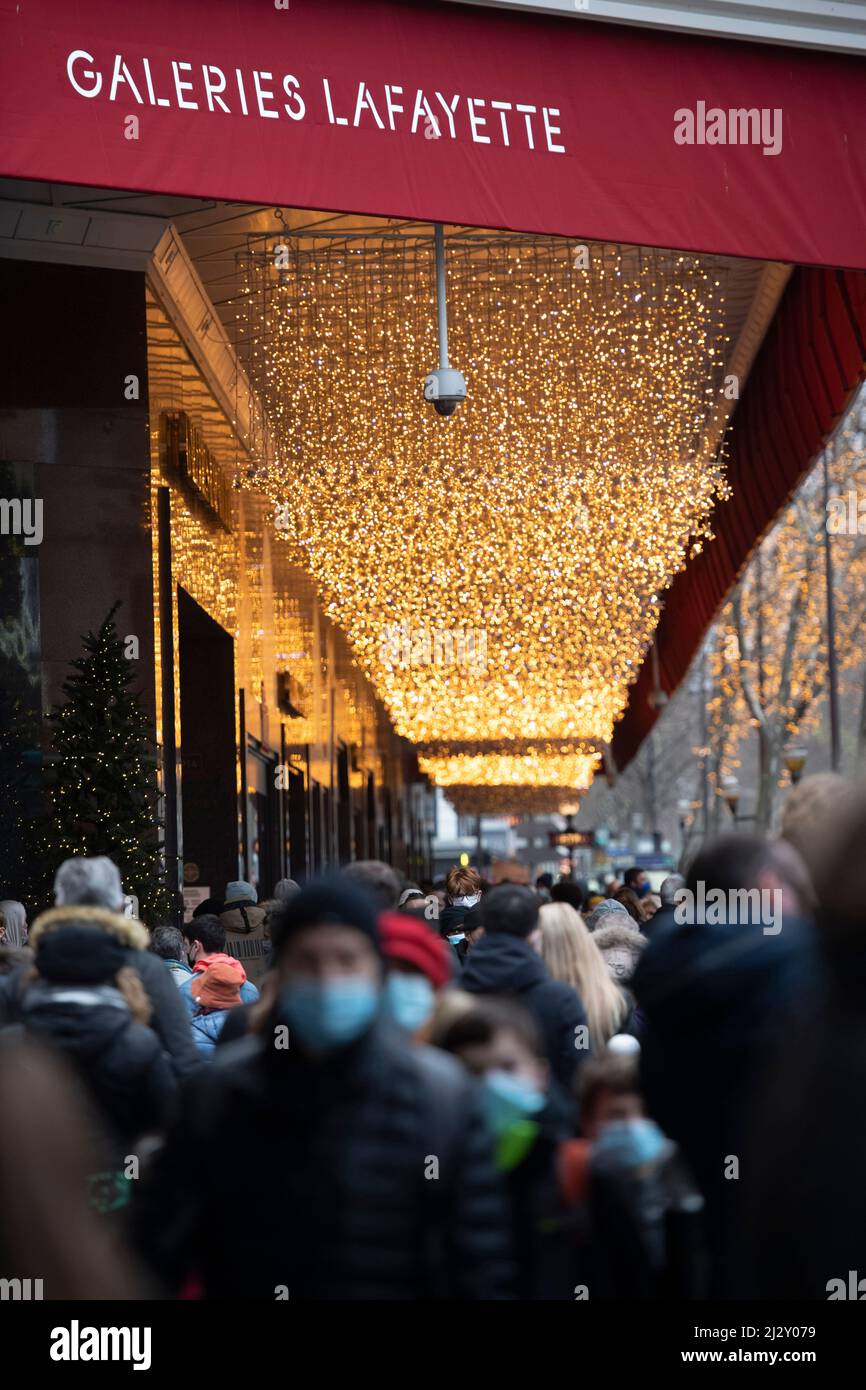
446	388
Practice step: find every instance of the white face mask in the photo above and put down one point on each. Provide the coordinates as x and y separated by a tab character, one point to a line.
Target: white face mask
620	964
467	902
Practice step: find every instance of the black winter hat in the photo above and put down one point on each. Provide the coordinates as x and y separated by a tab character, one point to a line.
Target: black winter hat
325	902
80	955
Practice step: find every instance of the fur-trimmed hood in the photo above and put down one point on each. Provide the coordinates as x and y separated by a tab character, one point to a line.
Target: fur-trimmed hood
127	930
619	937
621	946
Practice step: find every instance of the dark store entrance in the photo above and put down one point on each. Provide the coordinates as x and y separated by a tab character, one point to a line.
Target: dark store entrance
209	758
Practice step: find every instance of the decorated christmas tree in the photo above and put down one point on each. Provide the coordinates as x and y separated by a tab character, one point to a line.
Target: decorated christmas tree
17	758
104	793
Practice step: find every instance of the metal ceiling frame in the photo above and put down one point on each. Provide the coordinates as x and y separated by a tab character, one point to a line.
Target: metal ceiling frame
837	26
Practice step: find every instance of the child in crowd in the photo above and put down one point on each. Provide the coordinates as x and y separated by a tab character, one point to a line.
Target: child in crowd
645	1213
528	1117
215	992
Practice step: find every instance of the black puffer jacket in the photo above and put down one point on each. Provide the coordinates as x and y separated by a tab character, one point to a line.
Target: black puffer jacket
451	922
343	1152
508	965
120	1062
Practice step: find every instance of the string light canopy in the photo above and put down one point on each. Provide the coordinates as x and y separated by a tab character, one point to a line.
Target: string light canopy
506	801
499	573
504	770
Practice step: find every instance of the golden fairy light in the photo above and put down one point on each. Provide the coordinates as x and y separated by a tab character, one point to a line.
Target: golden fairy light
498	573
530	769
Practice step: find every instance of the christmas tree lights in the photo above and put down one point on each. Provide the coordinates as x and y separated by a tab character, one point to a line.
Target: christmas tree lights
103	785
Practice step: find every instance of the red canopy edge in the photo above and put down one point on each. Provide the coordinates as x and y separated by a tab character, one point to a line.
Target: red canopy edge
594	131
811	362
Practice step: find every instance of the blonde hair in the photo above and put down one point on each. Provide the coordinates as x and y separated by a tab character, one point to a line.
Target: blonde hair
450	1005
571	955
131	986
813	812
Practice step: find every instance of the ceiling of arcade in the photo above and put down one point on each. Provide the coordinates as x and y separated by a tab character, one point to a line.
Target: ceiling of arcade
498	573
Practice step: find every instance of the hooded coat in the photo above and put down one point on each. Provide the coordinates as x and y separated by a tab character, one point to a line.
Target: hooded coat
716	1002
508	965
621	944
75	1007
169	1019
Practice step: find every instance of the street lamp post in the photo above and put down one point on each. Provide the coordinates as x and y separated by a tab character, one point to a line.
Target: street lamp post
795	761
684	806
731	793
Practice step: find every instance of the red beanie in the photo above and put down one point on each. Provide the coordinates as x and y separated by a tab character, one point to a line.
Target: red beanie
407	938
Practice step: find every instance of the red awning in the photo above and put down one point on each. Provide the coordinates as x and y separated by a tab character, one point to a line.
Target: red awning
441	113
812	359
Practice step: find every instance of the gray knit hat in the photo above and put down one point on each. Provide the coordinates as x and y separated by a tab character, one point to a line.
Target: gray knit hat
285	889
239	892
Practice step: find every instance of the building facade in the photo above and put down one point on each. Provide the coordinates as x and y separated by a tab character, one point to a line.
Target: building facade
275	757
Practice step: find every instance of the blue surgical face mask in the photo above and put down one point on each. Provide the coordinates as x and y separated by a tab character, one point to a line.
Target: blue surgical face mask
509	1099
625	1144
409	1000
327	1014
457	938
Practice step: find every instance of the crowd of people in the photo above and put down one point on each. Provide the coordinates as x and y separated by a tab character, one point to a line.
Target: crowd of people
446	1090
